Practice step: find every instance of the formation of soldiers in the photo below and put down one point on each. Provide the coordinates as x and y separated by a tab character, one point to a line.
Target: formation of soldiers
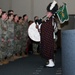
13	36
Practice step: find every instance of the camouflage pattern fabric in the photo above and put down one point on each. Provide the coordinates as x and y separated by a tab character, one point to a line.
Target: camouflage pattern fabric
10	37
24	35
17	38
3	39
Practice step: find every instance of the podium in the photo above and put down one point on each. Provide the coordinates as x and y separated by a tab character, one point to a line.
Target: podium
68	52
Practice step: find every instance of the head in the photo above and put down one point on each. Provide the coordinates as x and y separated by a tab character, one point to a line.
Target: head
4	15
52	8
15	18
10	16
20	19
25	17
36	18
10	12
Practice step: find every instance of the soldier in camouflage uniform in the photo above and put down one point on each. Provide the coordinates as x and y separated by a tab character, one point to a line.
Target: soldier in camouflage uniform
10	24
20	32
25	33
35	44
17	36
0	33
4	36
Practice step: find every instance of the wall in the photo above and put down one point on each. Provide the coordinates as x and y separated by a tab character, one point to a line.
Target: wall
5	4
31	7
40	7
70	5
71	23
34	7
22	7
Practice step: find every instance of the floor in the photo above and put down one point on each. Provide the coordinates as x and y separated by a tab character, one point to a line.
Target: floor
32	65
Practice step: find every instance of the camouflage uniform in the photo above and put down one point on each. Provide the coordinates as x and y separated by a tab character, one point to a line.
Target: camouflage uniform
20	35
17	38
35	47
24	36
4	36
10	37
0	40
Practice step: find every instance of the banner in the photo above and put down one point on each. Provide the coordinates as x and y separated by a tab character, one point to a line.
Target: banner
62	13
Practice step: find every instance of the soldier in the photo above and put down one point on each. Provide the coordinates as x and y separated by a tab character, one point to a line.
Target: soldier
35	44
19	35
4	37
25	34
10	24
17	46
20	32
0	37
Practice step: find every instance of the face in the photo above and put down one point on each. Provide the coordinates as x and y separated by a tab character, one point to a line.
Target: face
26	18
20	20
36	18
4	16
16	18
49	14
11	17
0	11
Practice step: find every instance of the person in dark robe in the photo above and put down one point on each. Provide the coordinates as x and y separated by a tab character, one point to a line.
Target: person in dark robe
47	40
